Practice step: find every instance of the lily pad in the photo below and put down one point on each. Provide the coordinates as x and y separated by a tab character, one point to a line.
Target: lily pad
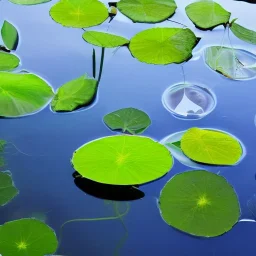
79	13
7	189
132	120
10	35
243	33
8	61
163	45
207	14
200	203
74	94
22	94
122	160
104	39
29	2
148	11
27	237
211	147
234	64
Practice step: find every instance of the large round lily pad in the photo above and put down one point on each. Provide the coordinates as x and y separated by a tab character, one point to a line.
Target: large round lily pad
163	45
27	237
29	2
8	61
122	160
211	147
79	13
102	39
207	14
22	94
148	11
199	203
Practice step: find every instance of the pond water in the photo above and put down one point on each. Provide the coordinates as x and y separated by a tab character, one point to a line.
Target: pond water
43	173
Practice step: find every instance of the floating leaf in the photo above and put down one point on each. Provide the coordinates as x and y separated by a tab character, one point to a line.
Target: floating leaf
2	145
122	160
8	61
10	35
211	147
232	63
132	120
7	189
74	94
104	39
163	45
200	203
243	33
79	13
22	94
27	237
29	2
149	11
207	14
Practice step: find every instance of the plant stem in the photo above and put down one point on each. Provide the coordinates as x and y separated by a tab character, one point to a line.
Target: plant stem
177	22
93	63
101	64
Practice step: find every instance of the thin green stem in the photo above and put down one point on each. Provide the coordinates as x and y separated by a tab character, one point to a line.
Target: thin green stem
177	22
93	63
101	64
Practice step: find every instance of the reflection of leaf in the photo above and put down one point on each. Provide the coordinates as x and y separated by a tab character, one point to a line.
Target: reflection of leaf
27	237
163	45
79	13
8	61
231	63
200	203
243	33
211	147
104	39
122	160
207	14
148	11
10	35
74	94
132	120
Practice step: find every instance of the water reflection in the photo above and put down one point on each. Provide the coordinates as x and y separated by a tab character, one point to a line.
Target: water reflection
189	101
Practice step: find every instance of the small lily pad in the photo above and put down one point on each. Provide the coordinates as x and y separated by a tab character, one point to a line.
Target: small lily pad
200	203
79	13
29	2
22	94
27	237
243	33
122	160
104	39
148	11
163	45
7	189
10	35
207	14
232	63
74	94
132	120
211	147
8	61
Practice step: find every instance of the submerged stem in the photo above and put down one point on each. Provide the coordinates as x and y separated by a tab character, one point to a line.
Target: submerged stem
177	22
183	73
93	63
101	64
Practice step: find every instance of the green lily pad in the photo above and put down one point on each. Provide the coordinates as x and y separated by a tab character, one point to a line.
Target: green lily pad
229	62
104	39
163	45
8	61
200	203
22	94
132	120
211	147
207	14
29	2
122	160
7	189
79	13
27	237
10	35
243	33
2	147
74	94
148	11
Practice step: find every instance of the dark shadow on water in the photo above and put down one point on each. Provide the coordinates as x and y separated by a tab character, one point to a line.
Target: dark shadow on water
248	1
107	192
